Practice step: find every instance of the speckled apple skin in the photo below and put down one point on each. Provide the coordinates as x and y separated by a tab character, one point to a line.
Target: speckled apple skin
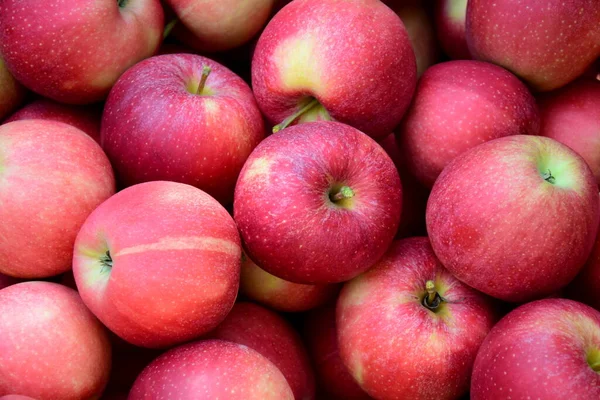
548	43
538	351
458	105
211	369
12	93
394	347
586	286
288	224
498	226
269	334
153	128
51	346
73	51
52	176
176	263
450	21
354	56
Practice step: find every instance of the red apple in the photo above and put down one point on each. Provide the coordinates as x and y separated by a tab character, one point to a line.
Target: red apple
515	217
458	105
12	93
158	263
52	176
450	21
547	350
74	51
317	203
350	61
586	285
408	329
548	43
211	369
51	346
171	118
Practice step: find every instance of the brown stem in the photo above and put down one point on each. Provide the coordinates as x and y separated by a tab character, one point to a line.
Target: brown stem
205	73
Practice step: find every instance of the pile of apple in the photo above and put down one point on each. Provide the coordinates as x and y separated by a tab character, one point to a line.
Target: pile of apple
307	199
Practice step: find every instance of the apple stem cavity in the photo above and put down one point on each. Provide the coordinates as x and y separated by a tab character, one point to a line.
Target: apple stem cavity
122	3
205	73
433	300
106	262
548	177
286	122
343	193
168	27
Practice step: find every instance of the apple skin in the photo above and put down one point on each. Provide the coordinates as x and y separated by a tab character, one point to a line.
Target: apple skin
288	223
74	51
52	176
211	369
12	93
539	351
571	115
450	21
548	44
586	286
477	209
51	346
16	397
458	105
393	345
354	57
175	255
153	128
269	334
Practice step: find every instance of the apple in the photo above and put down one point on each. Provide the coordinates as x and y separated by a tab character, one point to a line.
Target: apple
183	118
12	93
73	52
350	61
317	203
51	346
52	176
269	334
458	105
549	43
16	397
158	263
515	217
571	115
547	349
409	329
450	21
211	369
586	286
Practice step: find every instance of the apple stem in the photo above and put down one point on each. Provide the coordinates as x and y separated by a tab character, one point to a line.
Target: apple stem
286	122
548	177
169	27
205	73
106	262
344	193
433	299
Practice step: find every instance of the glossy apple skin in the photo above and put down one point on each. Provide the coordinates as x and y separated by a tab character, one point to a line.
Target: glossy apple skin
226	371
175	263
355	57
153	128
289	225
458	105
539	351
12	93
74	51
51	346
571	115
557	39
586	286
393	345
450	21
486	224
52	176
269	334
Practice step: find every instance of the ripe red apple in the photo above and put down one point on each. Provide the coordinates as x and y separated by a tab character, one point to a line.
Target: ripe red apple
51	346
515	217
12	93
450	21
317	203
269	334
409	329
211	369
171	118
74	51
458	105
158	263
52	176
586	286
548	43
350	61
548	350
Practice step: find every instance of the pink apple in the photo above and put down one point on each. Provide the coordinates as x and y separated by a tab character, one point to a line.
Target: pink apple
548	43
52	176
515	217
74	51
547	350
16	397
586	285
12	93
409	329
211	369
350	61
458	105
450	21
317	203
158	263
51	346
171	118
